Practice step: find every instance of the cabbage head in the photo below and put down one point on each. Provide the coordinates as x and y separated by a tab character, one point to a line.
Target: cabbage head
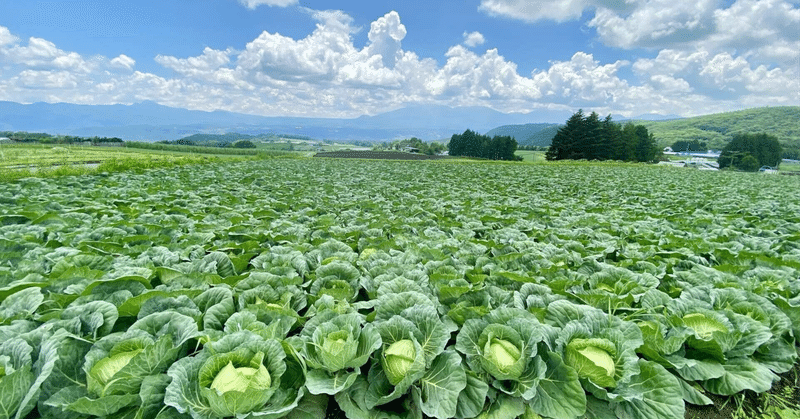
335	347
239	375
118	365
238	382
504	344
398	360
593	359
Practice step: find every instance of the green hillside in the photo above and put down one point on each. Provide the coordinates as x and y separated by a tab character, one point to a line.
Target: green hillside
528	134
214	140
718	129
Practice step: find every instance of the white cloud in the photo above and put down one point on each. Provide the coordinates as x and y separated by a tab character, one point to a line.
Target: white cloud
764	29
473	39
656	23
469	77
123	61
6	37
724	76
385	37
317	56
210	60
253	4
582	80
532	11
325	74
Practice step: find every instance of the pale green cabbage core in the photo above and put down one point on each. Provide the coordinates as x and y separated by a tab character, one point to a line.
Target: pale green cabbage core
703	327
399	357
504	354
600	358
105	368
240	379
338	348
336	342
593	359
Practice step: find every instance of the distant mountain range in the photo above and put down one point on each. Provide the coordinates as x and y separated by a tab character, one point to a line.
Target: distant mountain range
149	121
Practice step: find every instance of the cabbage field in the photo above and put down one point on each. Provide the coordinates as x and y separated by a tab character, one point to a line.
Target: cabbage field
395	289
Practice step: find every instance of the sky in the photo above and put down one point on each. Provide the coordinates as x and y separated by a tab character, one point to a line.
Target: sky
350	58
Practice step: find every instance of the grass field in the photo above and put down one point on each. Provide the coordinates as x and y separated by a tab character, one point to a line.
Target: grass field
24	160
531	156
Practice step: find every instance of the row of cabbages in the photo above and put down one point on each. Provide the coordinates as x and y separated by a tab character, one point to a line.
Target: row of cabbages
394	345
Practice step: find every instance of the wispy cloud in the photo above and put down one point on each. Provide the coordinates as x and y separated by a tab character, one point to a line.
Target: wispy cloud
253	4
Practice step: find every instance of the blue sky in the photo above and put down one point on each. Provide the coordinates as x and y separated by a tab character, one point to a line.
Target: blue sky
348	58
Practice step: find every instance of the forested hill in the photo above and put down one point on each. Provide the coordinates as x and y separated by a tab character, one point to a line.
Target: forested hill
718	129
715	130
528	134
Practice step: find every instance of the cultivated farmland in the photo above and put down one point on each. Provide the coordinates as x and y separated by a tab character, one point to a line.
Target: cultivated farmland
395	289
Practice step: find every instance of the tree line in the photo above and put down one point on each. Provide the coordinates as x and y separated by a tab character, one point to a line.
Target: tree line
749	152
44	138
587	137
472	144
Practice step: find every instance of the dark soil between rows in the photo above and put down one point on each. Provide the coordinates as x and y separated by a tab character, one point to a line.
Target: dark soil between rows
377	155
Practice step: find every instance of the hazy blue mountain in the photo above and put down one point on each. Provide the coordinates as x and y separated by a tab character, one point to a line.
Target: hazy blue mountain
528	134
150	121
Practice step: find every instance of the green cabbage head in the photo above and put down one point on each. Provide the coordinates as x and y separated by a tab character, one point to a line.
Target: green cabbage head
101	372
336	346
593	359
236	382
502	352
239	375
703	326
398	359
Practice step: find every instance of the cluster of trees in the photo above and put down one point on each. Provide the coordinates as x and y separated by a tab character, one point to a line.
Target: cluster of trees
749	152
587	137
414	142
694	145
44	138
472	144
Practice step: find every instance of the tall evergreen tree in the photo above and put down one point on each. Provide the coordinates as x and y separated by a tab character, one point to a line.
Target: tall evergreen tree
586	137
566	138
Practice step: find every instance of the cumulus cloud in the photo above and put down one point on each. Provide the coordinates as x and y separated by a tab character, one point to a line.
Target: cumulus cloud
317	56
253	4
123	61
385	36
473	39
6	37
210	60
723	76
582	80
763	29
656	23
326	74
474	78
41	53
